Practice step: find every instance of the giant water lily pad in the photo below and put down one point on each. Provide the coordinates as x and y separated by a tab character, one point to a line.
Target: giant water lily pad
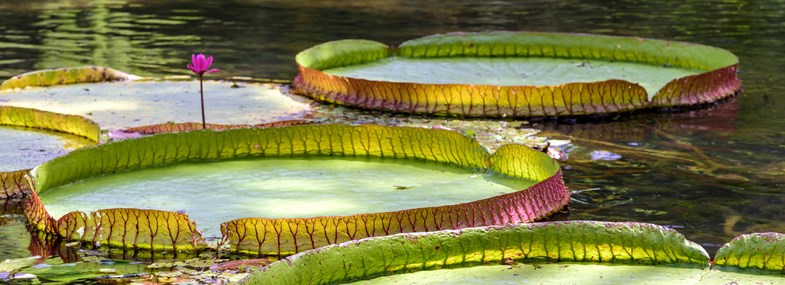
398	180
517	74
29	137
120	105
281	188
575	252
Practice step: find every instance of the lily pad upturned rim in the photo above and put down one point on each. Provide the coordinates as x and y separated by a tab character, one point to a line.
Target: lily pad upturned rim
564	241
630	243
263	236
719	80
12	182
65	75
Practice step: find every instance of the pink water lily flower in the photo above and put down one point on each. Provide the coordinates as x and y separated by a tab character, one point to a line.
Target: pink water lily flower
200	64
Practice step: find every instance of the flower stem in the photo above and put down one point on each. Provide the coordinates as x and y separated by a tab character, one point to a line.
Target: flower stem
201	93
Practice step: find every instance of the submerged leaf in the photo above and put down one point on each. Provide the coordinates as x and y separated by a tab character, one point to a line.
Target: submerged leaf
68	75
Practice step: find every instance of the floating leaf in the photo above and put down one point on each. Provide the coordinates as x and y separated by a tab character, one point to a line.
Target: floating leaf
14	184
758	251
495	74
68	75
575	241
121	105
32	118
145	229
281	236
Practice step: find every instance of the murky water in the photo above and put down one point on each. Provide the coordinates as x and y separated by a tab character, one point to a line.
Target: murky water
712	174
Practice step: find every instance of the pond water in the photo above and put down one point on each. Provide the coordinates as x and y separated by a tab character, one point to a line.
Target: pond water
712	173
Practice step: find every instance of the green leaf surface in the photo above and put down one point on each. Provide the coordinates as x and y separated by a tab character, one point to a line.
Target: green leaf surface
332	140
281	188
69	75
529	183
753	252
120	105
575	241
34	118
342	53
511	71
519	74
575	46
572	274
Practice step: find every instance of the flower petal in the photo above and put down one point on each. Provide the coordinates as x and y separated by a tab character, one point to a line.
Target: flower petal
209	62
213	70
202	62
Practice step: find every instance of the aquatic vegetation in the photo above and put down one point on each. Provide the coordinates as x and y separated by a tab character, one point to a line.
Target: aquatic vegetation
68	75
516	74
406	245
130	104
497	254
173	231
201	66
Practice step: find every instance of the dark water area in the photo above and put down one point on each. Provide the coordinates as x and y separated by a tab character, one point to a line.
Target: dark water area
712	174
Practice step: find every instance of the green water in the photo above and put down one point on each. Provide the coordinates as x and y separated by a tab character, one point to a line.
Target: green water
715	174
512	71
212	193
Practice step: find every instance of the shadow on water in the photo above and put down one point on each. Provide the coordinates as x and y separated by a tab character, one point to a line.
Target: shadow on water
711	173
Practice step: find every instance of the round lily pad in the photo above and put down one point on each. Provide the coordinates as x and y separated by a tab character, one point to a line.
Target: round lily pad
516	74
283	190
120	105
